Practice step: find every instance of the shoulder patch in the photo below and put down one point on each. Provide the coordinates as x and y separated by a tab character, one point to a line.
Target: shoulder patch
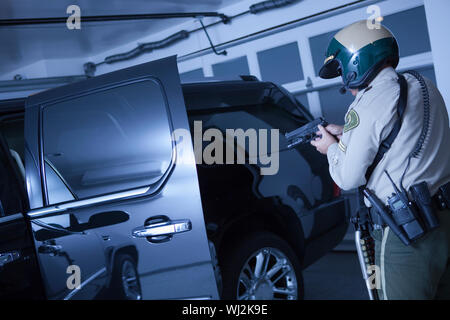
351	120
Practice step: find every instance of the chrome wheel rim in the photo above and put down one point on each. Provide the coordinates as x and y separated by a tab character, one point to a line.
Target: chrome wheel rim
130	282
267	275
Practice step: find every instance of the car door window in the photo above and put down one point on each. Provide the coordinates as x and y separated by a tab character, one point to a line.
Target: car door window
107	141
57	190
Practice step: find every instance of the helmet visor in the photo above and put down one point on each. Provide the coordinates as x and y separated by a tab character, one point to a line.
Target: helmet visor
331	69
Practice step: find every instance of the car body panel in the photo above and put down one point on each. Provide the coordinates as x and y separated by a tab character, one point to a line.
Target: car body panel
165	269
298	200
302	183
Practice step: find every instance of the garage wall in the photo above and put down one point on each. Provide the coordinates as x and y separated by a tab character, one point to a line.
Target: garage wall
290	55
221	33
438	25
293	57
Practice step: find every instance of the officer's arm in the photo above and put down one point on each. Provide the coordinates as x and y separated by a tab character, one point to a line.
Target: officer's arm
366	126
355	152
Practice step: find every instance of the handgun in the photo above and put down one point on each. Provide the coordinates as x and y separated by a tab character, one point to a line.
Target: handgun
305	133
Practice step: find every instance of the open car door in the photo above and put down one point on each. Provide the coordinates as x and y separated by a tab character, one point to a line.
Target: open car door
116	209
19	271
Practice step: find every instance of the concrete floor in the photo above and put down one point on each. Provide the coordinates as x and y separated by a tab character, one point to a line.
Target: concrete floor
336	276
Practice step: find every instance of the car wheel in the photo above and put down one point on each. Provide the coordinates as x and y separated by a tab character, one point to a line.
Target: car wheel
125	283
261	267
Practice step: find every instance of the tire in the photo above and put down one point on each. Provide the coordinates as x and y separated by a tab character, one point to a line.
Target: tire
125	284
239	269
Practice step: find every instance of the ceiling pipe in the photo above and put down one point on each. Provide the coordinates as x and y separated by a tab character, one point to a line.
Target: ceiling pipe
91	67
37	83
269	5
121	17
278	28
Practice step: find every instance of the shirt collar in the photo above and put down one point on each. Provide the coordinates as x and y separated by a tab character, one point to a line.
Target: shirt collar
385	74
388	73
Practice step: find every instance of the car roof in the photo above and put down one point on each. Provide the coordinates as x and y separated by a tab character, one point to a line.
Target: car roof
216	95
12	105
203	95
225	84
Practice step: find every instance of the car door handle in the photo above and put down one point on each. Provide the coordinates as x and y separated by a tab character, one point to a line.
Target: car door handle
162	231
52	249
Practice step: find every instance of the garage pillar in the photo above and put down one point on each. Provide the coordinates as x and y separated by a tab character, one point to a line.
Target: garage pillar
437	12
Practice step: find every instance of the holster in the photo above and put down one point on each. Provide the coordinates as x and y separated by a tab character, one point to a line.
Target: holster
361	216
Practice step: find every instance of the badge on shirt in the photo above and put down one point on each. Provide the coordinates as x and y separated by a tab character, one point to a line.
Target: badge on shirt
351	120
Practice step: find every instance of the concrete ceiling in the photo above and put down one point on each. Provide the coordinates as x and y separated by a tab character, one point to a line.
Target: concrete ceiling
23	45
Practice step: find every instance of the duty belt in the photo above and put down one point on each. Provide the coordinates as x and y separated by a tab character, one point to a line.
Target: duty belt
439	204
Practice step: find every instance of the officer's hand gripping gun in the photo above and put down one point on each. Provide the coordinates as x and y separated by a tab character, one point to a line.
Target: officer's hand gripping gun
305	133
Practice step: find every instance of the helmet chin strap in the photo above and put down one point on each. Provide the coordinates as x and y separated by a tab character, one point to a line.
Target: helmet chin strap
350	77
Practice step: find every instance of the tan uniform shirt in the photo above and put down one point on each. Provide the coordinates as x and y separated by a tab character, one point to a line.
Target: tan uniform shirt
370	119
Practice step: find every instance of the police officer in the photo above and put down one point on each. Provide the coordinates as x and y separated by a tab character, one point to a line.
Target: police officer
366	57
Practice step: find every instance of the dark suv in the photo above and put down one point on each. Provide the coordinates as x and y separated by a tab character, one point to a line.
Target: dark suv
101	200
